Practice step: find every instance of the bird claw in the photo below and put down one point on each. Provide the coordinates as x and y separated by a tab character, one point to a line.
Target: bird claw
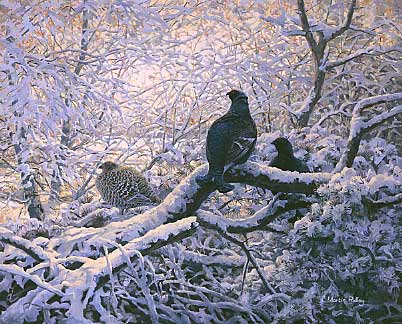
222	186
204	180
225	187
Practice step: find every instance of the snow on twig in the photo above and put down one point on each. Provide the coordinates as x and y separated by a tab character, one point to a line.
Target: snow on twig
17	271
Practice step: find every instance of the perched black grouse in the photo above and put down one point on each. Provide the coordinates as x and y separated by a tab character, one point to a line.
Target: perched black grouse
285	160
230	141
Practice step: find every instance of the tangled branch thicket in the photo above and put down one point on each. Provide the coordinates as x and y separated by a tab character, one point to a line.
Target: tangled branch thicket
170	264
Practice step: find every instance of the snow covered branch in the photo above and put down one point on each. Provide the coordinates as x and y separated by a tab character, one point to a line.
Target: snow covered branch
223	261
187	197
347	23
359	128
263	176
78	286
33	250
258	221
17	271
386	202
373	50
119	258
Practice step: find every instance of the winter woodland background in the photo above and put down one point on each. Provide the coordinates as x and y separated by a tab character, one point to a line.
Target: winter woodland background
139	82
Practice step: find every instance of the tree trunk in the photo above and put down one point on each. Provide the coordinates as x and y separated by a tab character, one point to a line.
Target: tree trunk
31	196
313	97
317	43
65	141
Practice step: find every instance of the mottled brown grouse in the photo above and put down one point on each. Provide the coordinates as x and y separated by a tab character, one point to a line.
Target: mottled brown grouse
124	187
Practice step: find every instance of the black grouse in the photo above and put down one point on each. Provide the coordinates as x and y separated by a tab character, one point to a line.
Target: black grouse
285	160
124	187
230	140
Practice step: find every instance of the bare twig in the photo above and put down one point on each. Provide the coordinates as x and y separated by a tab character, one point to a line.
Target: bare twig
252	260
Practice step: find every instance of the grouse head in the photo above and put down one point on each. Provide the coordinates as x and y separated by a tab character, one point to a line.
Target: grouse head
283	146
239	102
108	165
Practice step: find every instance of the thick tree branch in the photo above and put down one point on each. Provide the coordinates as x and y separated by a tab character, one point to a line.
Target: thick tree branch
187	197
258	221
95	273
263	176
306	26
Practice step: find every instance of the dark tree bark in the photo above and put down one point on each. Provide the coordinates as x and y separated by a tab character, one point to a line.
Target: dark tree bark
31	195
317	45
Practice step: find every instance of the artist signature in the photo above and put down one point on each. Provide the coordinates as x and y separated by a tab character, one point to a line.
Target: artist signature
350	299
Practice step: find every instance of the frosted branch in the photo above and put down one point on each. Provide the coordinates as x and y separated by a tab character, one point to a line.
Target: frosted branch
358	127
253	261
347	23
258	221
373	50
28	247
386	202
185	200
17	271
94	273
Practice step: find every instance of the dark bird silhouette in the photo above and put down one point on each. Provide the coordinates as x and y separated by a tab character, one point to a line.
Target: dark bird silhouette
285	160
124	187
230	140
